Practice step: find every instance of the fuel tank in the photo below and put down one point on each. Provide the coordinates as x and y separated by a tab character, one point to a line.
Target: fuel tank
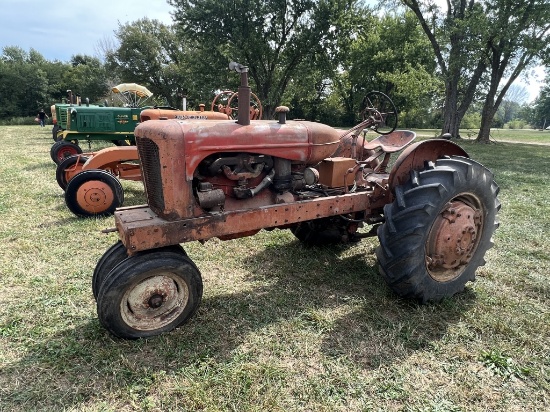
165	114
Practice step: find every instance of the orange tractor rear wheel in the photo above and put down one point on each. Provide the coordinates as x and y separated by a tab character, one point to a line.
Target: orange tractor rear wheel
94	193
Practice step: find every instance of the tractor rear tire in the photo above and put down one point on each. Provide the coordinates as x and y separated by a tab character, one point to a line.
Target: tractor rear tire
149	294
112	257
68	168
438	229
62	149
94	193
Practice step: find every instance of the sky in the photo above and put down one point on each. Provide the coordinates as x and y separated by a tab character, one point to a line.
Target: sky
60	29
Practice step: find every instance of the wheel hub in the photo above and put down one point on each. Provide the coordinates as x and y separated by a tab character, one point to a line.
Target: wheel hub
452	240
95	196
154	302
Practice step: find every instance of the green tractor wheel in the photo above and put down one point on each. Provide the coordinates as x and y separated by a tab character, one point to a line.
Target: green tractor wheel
63	149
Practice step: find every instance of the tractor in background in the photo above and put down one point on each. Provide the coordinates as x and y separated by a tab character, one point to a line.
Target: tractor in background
83	121
59	114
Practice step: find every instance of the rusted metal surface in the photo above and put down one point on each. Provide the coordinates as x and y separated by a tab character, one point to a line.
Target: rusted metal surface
452	240
333	172
306	142
415	156
142	229
154	302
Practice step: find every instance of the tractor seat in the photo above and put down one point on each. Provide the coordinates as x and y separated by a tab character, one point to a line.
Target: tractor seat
392	142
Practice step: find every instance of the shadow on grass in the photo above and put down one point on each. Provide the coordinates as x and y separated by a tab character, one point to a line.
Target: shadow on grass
289	285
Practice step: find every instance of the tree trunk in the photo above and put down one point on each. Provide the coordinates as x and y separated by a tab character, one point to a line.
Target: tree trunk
451	117
487	116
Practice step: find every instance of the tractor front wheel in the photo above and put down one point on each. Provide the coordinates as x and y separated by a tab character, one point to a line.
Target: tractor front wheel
112	257
62	149
94	193
68	168
149	293
438	229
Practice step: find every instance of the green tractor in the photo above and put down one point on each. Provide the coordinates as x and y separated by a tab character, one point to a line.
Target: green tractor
59	113
74	122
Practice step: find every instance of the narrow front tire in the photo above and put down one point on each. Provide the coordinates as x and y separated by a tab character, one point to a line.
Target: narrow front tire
149	294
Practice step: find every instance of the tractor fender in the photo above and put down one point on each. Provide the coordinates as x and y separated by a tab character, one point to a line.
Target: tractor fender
414	156
108	158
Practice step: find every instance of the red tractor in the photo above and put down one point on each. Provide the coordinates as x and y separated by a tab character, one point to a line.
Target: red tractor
434	210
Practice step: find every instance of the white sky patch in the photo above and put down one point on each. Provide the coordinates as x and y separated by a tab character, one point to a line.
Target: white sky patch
59	29
533	82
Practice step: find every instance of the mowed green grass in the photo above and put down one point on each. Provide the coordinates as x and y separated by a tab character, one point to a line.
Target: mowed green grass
281	327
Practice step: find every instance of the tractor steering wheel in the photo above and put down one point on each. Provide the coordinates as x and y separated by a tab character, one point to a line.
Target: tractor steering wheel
255	105
380	109
221	102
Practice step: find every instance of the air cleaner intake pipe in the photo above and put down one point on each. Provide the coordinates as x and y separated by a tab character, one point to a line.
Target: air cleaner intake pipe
244	94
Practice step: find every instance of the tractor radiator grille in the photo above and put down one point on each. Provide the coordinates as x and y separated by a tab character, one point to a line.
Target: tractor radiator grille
150	164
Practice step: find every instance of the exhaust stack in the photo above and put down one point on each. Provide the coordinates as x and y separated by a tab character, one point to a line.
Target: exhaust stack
244	94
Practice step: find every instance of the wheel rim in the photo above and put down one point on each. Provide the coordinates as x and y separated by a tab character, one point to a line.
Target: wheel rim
453	238
95	196
66	152
154	302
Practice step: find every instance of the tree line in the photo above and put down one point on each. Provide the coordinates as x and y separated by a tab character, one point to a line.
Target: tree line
445	67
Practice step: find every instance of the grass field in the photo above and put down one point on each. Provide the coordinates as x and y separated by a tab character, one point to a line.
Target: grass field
281	327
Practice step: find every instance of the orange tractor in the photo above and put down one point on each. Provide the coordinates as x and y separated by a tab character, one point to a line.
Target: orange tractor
434	210
91	180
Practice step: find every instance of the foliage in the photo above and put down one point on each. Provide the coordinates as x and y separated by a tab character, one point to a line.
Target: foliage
274	38
150	53
87	77
28	82
479	44
519	33
541	108
319	57
393	56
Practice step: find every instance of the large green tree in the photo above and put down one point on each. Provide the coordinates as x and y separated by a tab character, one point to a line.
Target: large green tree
481	47
391	54
149	53
273	38
29	82
541	107
519	34
86	76
24	85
